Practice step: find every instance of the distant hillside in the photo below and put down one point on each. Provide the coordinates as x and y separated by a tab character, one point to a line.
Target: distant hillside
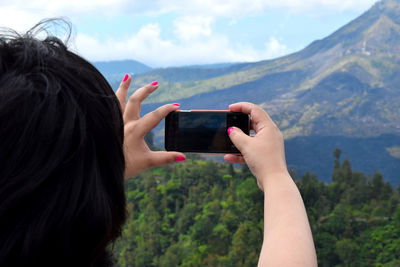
345	85
211	66
115	70
311	153
121	66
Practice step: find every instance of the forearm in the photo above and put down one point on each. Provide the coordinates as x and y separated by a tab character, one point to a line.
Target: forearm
287	235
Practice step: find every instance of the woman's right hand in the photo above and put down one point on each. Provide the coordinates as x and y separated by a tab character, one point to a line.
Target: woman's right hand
138	156
264	153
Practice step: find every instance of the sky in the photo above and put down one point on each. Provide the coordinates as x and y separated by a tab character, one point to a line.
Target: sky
164	33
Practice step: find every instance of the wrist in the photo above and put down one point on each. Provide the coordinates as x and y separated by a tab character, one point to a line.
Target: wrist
268	179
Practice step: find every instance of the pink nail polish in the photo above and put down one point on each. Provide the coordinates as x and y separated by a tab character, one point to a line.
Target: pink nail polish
230	129
180	158
125	78
176	104
154	83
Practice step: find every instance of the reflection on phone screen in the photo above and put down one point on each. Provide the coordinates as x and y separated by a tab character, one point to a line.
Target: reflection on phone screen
199	131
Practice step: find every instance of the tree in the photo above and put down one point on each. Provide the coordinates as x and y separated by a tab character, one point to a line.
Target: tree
337	175
347	172
348	250
309	189
204	213
243	252
246	171
336	153
377	186
325	244
231	170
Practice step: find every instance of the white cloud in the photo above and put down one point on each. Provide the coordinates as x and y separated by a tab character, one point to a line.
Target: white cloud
234	8
195	42
21	13
66	7
189	28
274	48
17	19
149	47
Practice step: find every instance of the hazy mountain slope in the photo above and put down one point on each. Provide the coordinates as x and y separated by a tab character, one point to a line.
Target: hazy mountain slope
346	84
121	67
311	153
177	83
115	70
343	86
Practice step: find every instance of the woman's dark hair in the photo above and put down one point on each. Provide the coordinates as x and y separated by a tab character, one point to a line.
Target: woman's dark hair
62	198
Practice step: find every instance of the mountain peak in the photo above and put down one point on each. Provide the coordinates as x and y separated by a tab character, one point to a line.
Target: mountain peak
374	32
390	8
385	4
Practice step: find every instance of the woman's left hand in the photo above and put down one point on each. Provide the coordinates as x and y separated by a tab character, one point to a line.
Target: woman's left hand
138	156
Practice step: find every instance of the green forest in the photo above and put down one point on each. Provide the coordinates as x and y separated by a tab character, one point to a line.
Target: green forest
205	213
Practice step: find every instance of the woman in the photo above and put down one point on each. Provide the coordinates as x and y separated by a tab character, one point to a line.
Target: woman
68	142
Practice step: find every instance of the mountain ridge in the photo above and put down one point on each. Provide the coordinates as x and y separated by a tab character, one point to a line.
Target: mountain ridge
343	86
362	54
116	67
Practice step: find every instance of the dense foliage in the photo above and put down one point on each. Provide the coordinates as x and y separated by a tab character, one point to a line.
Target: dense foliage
203	213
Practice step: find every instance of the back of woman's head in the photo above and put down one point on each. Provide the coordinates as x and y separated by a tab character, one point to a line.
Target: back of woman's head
61	135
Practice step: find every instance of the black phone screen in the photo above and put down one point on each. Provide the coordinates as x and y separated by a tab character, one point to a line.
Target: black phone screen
203	131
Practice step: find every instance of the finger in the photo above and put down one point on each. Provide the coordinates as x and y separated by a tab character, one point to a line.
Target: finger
234	159
259	118
150	120
159	158
238	138
123	91
132	110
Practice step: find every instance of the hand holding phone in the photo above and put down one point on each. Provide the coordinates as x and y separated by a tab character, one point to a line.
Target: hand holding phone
264	153
203	131
138	156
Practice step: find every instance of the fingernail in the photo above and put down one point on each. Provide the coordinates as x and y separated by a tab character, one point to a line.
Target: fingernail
180	158
230	129
125	78
154	83
176	104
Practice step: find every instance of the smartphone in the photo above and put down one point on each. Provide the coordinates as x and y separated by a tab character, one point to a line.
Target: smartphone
203	131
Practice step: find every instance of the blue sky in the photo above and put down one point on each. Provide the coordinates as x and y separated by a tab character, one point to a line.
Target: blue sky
163	33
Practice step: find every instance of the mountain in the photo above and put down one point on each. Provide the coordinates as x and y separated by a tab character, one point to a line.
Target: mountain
115	70
211	66
120	66
343	86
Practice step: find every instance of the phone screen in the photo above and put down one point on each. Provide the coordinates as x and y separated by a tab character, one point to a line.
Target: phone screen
203	131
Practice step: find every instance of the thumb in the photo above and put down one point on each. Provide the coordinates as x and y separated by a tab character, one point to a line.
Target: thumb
238	138
160	158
